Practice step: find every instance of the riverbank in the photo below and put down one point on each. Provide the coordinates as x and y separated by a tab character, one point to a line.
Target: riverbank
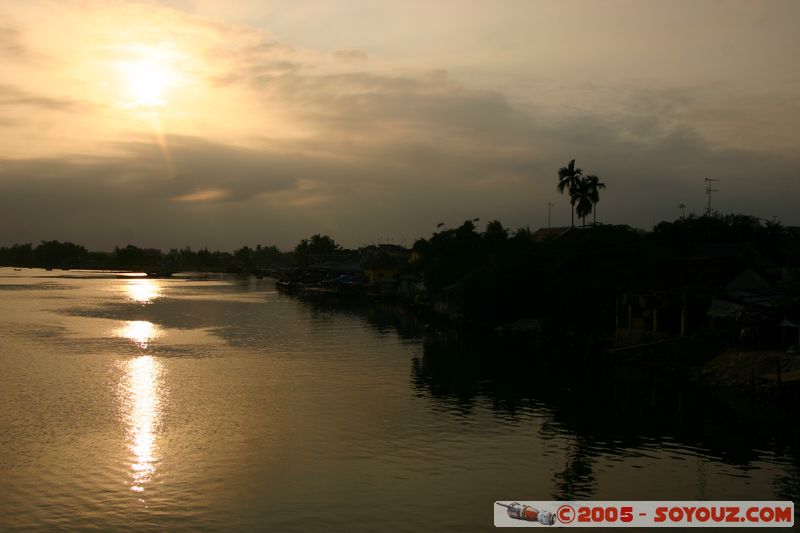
704	360
742	376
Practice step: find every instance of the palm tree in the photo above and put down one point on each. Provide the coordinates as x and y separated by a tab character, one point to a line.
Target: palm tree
583	199
594	185
568	178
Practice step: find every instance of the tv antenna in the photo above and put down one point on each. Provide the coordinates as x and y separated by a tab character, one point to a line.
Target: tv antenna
709	190
549	208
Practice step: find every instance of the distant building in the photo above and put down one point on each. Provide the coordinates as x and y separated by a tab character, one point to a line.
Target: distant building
740	252
549	234
382	263
724	283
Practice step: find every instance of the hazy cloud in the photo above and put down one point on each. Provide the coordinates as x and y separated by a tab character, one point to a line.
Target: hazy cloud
354	56
11	43
388	190
268	142
14	47
12	97
204	195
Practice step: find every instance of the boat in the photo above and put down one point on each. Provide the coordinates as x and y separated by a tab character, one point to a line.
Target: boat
289	287
160	274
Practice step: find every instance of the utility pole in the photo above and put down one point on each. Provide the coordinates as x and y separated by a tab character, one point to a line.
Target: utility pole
709	190
549	208
682	207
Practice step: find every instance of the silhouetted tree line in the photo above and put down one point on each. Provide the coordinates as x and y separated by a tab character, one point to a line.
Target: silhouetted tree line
495	275
316	245
452	254
55	254
498	275
47	254
572	282
50	254
771	238
243	260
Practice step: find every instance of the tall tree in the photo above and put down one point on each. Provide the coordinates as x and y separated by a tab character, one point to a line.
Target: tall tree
569	178
583	199
316	245
594	185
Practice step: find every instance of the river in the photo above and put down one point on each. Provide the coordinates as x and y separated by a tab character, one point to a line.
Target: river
217	403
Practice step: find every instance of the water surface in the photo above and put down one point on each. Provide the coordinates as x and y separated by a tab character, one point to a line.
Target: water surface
218	403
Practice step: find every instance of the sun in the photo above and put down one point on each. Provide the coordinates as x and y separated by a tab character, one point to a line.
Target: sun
147	76
147	83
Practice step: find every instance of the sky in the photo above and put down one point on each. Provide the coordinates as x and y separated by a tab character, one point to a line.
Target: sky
223	124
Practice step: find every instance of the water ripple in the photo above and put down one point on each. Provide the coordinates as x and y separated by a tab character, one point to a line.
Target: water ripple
219	405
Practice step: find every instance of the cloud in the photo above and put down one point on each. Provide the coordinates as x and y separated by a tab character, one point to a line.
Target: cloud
11	43
224	196
278	142
203	195
348	56
12	97
14	48
143	170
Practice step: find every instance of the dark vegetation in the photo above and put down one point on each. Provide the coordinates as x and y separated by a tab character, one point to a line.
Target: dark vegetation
572	281
569	281
54	254
496	275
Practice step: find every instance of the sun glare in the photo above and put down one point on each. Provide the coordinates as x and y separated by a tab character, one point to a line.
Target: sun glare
144	400
142	290
147	83
147	76
141	332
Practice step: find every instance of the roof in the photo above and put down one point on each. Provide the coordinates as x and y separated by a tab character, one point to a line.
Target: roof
748	280
394	249
795	230
336	266
677	275
380	260
388	256
723	308
733	251
752	288
790	322
546	234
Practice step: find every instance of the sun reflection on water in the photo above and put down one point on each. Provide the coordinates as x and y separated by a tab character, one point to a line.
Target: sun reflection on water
142	290
143	394
141	332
